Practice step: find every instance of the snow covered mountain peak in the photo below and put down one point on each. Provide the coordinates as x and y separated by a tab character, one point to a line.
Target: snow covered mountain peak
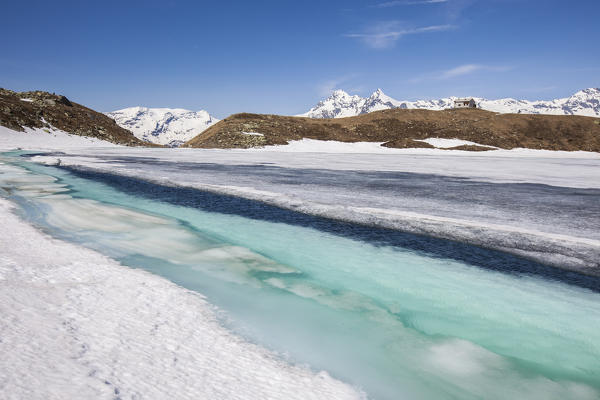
584	102
379	94
166	126
379	101
340	104
588	92
339	93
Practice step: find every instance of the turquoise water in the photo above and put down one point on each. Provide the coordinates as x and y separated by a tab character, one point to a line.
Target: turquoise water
396	322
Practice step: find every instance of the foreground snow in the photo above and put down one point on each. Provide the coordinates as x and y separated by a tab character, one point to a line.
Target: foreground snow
76	324
340	104
167	126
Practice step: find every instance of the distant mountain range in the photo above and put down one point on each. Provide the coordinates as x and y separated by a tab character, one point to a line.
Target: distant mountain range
175	126
166	126
340	104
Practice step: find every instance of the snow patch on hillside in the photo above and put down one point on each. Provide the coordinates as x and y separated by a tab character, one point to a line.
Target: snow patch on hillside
325	146
442	143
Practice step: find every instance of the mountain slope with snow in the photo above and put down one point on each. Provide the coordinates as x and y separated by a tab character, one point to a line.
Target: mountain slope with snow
166	126
340	104
41	114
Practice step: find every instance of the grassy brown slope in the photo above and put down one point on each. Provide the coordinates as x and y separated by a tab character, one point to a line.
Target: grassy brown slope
58	112
398	127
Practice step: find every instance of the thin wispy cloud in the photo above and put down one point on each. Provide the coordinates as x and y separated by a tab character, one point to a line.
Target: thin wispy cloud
461	70
408	3
385	34
327	87
455	8
538	89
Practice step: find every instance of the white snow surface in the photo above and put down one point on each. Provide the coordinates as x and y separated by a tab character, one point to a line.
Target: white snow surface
325	146
76	324
335	147
442	143
576	169
166	126
47	139
340	104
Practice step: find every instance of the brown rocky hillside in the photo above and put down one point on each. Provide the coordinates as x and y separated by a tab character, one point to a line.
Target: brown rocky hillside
46	110
398	127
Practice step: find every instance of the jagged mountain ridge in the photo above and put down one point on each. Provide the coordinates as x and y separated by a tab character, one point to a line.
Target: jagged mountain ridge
340	104
166	126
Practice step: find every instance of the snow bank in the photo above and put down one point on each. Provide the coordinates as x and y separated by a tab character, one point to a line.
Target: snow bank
76	324
46	139
441	143
327	146
336	147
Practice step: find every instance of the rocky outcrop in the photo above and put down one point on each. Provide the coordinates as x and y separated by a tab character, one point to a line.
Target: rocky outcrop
38	109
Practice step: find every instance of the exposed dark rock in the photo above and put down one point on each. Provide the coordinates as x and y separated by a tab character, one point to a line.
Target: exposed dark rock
65	101
471	147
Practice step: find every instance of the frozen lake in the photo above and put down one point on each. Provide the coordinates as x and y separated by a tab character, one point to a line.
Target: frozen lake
394	313
543	206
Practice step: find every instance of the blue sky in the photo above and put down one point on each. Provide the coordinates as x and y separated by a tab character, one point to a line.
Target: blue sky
283	56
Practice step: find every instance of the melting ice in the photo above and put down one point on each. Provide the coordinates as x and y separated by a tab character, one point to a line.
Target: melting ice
393	321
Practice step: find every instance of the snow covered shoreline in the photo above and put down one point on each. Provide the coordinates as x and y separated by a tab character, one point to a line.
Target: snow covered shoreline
77	324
